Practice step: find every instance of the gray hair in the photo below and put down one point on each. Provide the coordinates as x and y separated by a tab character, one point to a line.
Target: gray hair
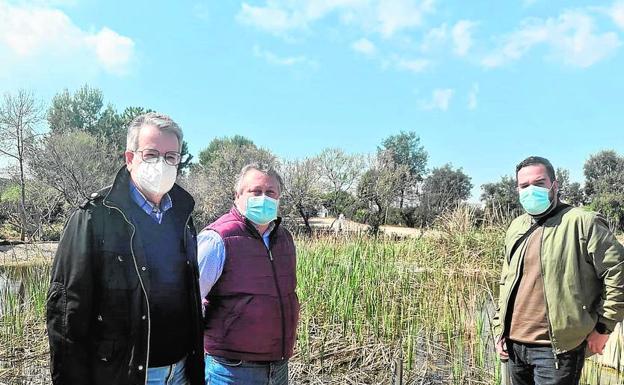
161	121
264	168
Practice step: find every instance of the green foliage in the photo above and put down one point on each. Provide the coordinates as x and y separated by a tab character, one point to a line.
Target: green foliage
339	202
406	150
611	205
78	111
445	186
574	194
502	194
82	111
217	145
604	173
380	187
11	194
212	184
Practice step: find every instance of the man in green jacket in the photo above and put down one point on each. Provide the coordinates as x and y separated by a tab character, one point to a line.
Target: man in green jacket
562	283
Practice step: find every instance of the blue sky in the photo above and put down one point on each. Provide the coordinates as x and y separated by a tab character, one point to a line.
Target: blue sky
483	83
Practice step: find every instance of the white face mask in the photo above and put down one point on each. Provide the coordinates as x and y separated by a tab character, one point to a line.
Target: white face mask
156	178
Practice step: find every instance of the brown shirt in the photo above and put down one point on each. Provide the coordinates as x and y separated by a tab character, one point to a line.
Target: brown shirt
529	323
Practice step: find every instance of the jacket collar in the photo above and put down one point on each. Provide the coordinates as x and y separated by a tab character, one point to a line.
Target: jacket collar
118	194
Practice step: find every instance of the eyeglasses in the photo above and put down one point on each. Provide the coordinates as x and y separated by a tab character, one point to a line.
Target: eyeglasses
151	156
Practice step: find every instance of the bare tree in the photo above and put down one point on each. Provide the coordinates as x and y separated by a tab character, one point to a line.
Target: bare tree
302	192
20	115
75	164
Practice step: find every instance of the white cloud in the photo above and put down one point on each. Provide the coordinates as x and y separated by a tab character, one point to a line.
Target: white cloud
364	46
385	17
459	35
440	99
528	3
570	38
462	37
434	38
395	15
269	18
112	50
617	13
29	34
274	59
413	65
472	97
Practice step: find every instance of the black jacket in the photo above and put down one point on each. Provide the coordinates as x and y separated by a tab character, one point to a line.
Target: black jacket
98	303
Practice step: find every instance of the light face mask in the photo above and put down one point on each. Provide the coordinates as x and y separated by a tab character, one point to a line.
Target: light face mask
534	199
156	178
261	209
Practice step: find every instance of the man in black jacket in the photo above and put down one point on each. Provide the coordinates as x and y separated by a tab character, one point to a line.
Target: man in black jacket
123	305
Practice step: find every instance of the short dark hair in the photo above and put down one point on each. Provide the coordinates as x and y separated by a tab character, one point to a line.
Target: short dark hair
532	161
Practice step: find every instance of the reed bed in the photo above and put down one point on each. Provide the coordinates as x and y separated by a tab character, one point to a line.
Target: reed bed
379	311
374	311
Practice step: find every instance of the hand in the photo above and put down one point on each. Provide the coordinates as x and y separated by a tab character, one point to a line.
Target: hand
501	349
596	342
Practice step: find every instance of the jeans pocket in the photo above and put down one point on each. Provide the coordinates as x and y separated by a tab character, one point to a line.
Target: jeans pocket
226	361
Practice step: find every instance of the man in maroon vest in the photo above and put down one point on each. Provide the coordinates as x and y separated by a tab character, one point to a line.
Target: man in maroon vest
248	279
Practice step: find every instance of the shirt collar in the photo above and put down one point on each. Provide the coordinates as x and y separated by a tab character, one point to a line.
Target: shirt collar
137	196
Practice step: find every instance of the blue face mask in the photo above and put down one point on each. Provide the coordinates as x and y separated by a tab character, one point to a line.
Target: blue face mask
535	200
261	209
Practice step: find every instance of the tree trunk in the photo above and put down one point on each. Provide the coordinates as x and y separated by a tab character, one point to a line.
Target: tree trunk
20	151
22	202
305	220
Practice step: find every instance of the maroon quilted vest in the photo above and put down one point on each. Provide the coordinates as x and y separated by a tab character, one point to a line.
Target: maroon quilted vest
253	309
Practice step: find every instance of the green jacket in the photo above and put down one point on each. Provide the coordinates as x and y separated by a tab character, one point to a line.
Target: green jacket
582	268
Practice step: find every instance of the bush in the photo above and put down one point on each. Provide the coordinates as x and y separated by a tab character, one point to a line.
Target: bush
610	205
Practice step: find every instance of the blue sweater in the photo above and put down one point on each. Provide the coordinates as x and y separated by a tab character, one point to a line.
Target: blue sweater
169	290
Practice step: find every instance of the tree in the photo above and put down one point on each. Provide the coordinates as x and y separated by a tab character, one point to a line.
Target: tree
380	186
444	188
611	205
75	163
405	150
20	115
569	192
302	192
210	153
447	186
562	176
80	111
42	207
339	202
575	195
339	172
212	184
501	199
604	173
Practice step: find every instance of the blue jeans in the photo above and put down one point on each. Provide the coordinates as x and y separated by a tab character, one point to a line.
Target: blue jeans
223	371
168	375
534	364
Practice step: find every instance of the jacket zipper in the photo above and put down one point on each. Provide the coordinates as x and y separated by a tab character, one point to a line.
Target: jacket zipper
136	267
550	333
281	303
